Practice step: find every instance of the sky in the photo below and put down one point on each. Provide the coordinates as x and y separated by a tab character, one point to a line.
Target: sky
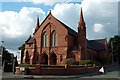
18	19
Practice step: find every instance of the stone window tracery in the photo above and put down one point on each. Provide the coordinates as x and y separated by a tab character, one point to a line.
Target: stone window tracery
54	39
45	40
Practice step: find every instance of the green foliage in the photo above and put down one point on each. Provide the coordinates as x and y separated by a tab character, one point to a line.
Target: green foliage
15	61
88	62
52	66
116	48
101	59
26	65
77	66
71	61
8	67
61	66
22	47
6	55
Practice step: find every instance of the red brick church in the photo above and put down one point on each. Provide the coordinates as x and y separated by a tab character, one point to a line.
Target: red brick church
53	42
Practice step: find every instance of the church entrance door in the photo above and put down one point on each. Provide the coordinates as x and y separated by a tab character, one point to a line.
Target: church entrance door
53	59
44	58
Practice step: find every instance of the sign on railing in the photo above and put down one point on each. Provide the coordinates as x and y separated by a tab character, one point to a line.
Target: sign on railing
22	69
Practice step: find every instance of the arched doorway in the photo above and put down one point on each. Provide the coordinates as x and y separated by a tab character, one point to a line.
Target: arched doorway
44	58
53	59
27	57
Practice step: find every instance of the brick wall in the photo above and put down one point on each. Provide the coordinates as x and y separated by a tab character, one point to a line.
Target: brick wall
58	71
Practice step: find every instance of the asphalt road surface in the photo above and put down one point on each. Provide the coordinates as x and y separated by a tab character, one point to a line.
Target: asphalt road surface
111	73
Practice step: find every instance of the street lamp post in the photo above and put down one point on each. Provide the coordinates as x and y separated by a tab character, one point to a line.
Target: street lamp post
112	52
2	48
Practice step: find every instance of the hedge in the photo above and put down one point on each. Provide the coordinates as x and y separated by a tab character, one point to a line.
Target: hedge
71	61
26	65
45	66
88	62
52	66
8	67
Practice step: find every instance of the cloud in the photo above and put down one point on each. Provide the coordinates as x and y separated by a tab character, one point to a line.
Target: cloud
67	13
17	26
45	2
98	28
104	13
53	2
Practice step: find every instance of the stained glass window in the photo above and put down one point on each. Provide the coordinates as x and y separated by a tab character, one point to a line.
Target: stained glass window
54	39
45	40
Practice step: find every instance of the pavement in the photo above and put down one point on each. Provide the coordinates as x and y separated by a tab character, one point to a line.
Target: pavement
110	72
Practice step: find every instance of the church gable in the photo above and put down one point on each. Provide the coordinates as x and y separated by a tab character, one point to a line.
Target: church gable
48	26
51	23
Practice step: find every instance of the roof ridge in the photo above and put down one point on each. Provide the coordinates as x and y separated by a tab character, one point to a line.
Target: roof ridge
67	27
41	23
96	39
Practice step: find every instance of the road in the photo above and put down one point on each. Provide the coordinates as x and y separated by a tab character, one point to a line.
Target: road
111	73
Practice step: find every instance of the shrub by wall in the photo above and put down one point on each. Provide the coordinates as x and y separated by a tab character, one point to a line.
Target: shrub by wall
88	62
26	65
52	66
71	61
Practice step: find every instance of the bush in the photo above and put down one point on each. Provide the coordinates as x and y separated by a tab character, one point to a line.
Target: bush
52	66
77	66
26	65
88	62
71	61
8	67
101	59
15	62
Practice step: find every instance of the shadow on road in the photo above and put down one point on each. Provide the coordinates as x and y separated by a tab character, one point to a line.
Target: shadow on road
114	68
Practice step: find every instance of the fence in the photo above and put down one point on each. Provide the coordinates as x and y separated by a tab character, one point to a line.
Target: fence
55	71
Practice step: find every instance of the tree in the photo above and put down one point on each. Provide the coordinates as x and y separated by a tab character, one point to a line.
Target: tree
6	55
71	61
22	48
116	48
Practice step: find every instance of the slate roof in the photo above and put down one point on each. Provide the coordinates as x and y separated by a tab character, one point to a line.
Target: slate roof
30	41
70	31
93	44
97	44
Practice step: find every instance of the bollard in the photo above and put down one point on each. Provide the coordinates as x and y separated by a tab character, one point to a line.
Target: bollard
86	67
67	66
37	69
94	66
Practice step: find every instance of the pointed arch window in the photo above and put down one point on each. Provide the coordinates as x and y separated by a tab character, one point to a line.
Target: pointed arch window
45	40
54	39
61	58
